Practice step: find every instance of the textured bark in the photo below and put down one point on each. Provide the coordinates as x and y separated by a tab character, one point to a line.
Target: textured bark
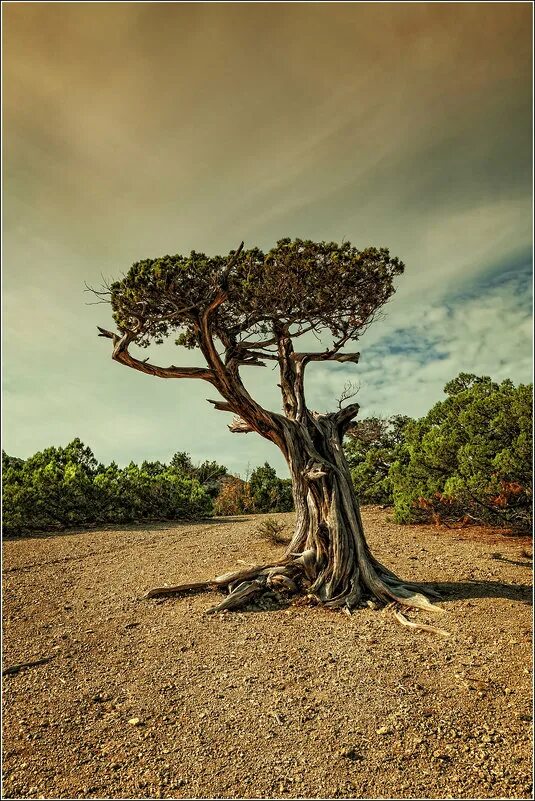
328	558
329	529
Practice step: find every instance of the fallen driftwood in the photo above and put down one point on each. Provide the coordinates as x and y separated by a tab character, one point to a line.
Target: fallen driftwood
9	671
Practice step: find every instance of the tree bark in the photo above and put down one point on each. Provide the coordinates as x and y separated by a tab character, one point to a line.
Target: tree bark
329	535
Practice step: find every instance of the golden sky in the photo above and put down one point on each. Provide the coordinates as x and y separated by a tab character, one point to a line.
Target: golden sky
136	129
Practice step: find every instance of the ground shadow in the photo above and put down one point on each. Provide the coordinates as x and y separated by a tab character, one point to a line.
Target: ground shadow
465	590
499	558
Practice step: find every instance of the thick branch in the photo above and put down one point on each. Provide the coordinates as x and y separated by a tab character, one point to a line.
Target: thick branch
226	376
327	356
343	418
120	354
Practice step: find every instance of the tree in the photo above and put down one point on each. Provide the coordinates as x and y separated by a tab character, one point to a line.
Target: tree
269	492
469	457
371	448
243	311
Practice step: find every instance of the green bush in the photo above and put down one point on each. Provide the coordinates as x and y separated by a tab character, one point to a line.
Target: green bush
270	493
371	447
62	487
469	457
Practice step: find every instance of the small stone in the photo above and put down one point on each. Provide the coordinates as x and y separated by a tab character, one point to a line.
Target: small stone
135	722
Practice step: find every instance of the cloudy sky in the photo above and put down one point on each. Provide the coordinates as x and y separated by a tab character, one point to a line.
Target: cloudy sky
135	130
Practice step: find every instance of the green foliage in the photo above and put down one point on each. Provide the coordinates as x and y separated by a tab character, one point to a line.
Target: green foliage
209	474
269	492
469	457
297	283
371	448
62	487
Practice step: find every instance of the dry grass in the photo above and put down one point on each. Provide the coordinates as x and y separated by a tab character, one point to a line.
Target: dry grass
273	531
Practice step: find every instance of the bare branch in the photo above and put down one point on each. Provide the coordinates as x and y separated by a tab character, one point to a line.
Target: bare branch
350	390
327	356
230	265
120	354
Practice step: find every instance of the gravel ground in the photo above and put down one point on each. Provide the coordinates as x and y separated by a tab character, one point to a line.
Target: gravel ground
155	699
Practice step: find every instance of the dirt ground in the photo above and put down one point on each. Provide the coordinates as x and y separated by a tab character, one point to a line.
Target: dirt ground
155	699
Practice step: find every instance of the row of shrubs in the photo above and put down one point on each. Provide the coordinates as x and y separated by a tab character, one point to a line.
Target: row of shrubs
469	459
63	487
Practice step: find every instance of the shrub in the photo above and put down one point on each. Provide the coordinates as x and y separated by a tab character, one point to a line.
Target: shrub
234	497
273	531
371	447
470	457
61	487
269	492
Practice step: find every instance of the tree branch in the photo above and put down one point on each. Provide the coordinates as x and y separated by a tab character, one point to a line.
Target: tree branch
326	356
343	418
120	354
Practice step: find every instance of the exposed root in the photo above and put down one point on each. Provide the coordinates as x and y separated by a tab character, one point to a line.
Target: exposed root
299	575
403	621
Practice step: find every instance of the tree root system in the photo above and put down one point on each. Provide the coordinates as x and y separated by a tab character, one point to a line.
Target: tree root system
296	579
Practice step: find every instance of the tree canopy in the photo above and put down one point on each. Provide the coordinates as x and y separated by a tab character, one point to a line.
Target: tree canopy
246	309
298	285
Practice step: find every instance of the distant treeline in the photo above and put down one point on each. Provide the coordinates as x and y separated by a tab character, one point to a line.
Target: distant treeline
468	459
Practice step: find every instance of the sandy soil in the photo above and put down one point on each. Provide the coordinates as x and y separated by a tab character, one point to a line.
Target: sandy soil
155	699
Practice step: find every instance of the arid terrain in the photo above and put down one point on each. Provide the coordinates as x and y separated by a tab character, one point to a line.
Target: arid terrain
154	698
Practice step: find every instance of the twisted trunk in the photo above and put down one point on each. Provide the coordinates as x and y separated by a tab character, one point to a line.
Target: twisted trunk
329	536
328	557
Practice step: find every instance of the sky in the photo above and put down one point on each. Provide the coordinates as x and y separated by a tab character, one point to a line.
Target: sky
132	130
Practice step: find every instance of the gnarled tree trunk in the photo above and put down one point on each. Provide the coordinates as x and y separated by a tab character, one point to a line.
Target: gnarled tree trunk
328	557
328	531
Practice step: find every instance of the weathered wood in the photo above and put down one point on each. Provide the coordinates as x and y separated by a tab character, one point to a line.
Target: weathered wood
181	589
328	552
